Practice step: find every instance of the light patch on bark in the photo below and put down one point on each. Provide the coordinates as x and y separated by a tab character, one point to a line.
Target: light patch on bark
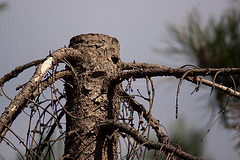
46	65
14	108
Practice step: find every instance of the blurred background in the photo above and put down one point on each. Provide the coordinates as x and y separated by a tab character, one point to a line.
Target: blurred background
148	32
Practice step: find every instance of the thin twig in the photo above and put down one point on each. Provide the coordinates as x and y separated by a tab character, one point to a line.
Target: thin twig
234	84
123	127
198	85
215	76
14	73
9	143
222	111
5	94
178	90
189	65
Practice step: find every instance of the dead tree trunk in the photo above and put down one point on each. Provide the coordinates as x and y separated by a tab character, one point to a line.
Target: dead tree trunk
89	100
98	111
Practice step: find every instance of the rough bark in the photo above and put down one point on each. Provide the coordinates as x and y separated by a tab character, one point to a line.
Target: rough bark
89	101
94	73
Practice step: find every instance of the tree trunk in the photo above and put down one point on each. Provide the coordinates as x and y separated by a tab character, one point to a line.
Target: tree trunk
89	99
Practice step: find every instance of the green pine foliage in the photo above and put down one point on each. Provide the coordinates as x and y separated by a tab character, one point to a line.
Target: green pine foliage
3	5
216	44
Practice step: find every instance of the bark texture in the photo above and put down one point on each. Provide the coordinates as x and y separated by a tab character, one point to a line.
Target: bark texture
89	99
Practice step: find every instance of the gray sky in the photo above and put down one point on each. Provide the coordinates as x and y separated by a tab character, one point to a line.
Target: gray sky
30	28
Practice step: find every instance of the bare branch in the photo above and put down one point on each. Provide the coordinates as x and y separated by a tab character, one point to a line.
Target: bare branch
225	89
20	100
141	71
123	127
14	73
106	98
134	65
148	117
158	70
44	84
